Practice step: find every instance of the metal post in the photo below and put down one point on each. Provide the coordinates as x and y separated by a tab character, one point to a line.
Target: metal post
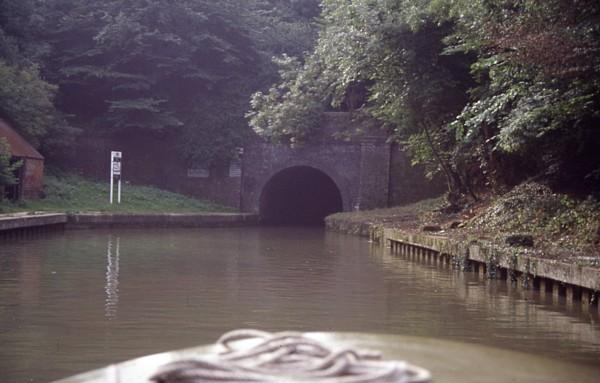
240	152
111	184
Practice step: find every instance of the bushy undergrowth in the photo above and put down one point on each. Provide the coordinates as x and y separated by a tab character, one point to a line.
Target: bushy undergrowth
72	193
562	226
536	209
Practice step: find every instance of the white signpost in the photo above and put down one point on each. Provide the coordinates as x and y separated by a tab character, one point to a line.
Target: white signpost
115	172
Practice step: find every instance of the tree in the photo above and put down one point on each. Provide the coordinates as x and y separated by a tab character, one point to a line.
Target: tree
537	101
379	46
26	100
486	92
181	70
7	168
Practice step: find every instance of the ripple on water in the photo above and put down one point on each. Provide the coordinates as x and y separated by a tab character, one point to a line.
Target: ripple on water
74	301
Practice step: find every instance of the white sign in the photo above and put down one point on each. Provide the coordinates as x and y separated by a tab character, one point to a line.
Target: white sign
116	168
235	169
115	159
115	171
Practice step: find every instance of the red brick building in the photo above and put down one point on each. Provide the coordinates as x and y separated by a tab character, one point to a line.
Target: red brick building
30	174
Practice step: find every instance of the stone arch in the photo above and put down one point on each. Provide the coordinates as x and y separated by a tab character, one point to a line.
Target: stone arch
299	194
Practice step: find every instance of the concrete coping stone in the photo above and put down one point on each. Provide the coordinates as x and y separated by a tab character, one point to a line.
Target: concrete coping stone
481	251
25	220
94	219
103	220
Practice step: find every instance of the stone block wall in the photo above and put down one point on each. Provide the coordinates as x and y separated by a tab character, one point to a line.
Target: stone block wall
154	162
359	170
407	182
374	175
341	162
368	172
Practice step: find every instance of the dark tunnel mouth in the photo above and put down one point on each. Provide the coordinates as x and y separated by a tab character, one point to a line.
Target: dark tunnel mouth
299	195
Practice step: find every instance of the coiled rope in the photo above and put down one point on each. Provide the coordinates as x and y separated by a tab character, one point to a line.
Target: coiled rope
287	357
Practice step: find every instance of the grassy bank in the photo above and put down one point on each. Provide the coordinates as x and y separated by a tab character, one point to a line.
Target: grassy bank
561	226
412	215
71	193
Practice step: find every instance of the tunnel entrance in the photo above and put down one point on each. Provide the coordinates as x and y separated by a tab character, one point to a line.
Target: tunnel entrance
299	195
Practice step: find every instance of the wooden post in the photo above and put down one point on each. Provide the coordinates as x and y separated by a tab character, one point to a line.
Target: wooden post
556	291
543	287
569	294
586	298
502	273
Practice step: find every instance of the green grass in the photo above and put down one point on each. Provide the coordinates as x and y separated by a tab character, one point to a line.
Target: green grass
71	193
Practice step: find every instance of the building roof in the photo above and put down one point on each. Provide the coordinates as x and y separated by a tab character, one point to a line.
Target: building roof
18	146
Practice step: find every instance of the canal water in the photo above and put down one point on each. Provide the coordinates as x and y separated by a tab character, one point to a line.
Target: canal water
78	300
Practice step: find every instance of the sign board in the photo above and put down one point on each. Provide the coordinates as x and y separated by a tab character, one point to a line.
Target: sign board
115	171
235	169
116	167
115	159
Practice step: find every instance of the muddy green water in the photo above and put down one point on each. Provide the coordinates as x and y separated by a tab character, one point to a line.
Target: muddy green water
78	300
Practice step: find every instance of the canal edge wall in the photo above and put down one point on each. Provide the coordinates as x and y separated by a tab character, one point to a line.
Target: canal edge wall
565	283
167	220
361	228
31	223
22	221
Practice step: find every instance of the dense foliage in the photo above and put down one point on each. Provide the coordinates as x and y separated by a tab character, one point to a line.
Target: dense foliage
486	92
179	70
536	209
26	99
7	167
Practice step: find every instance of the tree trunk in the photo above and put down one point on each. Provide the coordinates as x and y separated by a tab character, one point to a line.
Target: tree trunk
456	185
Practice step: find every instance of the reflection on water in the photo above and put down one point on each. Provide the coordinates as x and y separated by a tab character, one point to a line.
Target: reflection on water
70	302
510	310
112	278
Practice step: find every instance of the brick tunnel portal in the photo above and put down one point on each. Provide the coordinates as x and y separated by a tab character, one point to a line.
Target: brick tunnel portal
300	195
